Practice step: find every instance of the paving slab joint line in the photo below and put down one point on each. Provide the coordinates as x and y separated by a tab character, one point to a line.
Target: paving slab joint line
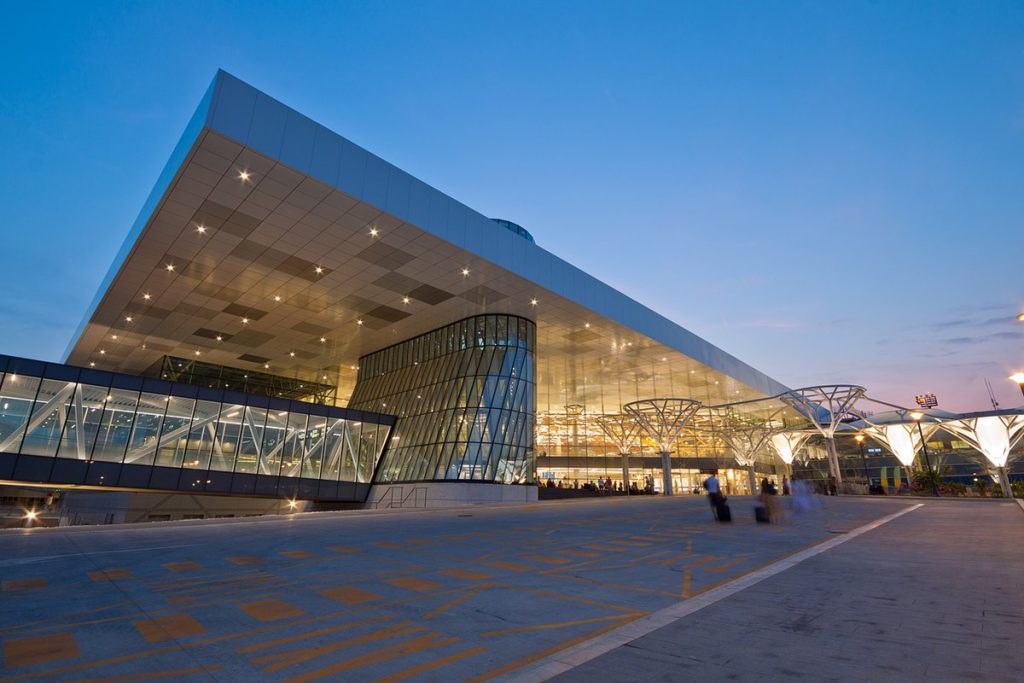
1020	502
579	654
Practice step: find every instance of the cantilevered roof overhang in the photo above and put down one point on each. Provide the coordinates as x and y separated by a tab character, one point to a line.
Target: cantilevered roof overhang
271	242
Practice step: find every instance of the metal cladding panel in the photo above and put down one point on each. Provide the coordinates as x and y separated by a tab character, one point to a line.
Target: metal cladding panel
270	127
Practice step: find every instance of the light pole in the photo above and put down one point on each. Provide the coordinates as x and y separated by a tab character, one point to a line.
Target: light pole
1018	377
916	417
860	442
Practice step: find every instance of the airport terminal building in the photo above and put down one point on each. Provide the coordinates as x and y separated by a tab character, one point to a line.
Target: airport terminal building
293	318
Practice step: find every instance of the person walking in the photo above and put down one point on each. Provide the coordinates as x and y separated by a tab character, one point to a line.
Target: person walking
714	490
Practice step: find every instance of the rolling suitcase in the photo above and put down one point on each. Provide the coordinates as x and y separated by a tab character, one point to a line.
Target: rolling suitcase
722	513
761	514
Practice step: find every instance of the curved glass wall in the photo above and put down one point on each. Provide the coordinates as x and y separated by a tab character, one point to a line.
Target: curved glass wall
66	425
465	398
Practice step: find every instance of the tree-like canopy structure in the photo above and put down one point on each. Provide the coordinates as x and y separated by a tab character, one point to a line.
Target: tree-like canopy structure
663	419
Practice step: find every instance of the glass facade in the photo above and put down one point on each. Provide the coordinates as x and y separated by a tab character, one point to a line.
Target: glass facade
465	399
75	426
578	383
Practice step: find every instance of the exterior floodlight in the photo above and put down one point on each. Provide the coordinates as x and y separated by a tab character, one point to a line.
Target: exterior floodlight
994	436
1019	379
826	406
786	444
663	419
624	431
859	438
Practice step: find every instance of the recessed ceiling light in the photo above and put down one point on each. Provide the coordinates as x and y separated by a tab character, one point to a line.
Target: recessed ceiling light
113	336
92	365
147	297
102	352
266	366
586	325
292	354
170	267
405	299
245	321
244	175
196	352
325	376
359	322
220	338
533	302
319	270
323	340
374	232
201	229
277	298
465	272
127	318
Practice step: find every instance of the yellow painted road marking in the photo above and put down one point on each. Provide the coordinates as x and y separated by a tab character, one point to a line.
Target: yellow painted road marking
171	627
150	675
245	559
512	666
309	634
467	574
271	610
293	657
349	595
429	666
547	559
545	627
475	590
178	567
427	641
298	554
104	575
412	583
510	566
24	584
39	650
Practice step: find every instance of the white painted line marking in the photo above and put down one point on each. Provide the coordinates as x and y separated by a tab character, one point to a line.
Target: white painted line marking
48	558
574	656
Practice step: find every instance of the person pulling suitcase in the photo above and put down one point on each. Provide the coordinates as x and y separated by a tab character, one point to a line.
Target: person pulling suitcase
719	509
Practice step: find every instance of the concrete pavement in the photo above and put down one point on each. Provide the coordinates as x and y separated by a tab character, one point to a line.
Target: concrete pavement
484	593
936	595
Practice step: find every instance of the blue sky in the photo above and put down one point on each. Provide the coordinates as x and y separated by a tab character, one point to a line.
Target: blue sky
830	191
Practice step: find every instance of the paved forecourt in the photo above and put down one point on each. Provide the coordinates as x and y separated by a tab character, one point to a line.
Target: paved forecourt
459	594
934	595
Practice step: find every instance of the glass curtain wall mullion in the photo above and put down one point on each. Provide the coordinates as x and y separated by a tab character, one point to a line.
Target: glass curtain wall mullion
116	423
45	422
145	436
453	390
